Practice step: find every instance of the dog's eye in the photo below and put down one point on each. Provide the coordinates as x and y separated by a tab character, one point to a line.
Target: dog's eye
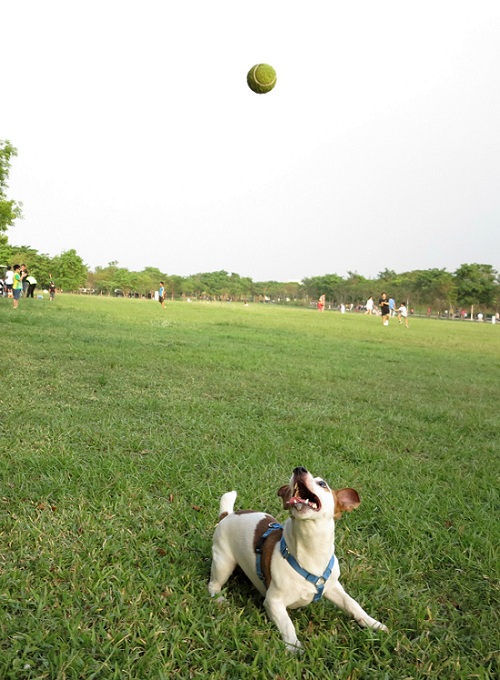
323	484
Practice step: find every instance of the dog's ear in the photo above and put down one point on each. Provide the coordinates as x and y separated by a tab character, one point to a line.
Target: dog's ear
285	493
346	500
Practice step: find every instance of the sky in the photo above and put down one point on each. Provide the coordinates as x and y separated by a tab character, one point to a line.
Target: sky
139	141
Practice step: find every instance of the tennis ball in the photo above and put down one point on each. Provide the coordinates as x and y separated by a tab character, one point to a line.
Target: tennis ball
261	78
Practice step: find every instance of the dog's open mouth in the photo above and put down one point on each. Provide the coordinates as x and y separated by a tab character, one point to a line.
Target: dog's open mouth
302	498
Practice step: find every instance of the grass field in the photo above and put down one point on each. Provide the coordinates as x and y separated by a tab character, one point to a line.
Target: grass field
123	423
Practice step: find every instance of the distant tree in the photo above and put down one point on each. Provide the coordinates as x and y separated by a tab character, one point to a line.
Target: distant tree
215	284
70	273
476	284
39	265
274	290
387	275
150	279
192	286
9	209
176	284
100	279
356	288
5	250
292	290
123	280
331	285
435	287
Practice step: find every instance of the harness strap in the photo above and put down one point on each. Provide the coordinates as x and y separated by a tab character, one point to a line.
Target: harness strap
272	526
318	581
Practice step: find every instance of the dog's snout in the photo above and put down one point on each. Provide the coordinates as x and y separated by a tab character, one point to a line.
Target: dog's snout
300	471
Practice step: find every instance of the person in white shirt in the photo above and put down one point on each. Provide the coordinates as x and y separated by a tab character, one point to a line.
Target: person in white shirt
403	314
9	281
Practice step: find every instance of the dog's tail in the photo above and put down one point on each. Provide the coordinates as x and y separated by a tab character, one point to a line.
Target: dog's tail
227	504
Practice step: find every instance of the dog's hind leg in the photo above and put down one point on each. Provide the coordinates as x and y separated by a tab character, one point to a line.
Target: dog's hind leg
336	594
223	566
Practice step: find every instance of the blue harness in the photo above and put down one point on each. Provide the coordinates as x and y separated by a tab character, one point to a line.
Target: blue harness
317	581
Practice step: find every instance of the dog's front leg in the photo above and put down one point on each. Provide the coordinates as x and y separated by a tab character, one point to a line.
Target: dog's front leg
278	613
336	594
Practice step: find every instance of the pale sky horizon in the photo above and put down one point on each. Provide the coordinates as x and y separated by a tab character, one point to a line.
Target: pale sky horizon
139	141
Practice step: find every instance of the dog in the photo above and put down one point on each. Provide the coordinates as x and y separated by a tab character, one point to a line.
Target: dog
293	564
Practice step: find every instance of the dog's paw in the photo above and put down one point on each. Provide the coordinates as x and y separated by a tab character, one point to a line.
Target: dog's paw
294	648
220	600
368	622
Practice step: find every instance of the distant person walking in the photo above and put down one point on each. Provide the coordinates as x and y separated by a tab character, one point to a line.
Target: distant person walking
321	304
403	313
161	294
369	305
392	307
383	303
17	286
52	291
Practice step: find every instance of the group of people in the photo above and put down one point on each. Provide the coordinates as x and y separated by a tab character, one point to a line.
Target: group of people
387	307
18	282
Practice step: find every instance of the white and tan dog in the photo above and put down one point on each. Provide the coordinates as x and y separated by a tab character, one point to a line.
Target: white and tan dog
291	565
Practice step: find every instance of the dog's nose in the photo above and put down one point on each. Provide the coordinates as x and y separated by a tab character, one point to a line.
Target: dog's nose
300	471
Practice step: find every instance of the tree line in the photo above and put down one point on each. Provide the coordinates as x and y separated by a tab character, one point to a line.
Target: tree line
471	284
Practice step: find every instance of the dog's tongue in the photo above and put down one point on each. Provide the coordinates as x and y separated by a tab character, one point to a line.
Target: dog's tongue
295	500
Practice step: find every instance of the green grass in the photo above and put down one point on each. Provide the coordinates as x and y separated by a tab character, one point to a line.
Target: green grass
121	426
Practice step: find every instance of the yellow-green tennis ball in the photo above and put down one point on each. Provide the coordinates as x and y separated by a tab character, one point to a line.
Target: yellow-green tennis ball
261	78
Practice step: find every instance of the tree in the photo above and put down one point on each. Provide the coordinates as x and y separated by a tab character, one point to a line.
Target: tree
175	283
356	288
476	284
9	210
435	287
330	285
70	273
387	275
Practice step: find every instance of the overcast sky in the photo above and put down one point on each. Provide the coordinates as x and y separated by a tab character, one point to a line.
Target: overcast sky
139	140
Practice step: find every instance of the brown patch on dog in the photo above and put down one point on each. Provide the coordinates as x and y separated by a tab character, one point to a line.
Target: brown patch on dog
266	546
222	515
285	493
346	500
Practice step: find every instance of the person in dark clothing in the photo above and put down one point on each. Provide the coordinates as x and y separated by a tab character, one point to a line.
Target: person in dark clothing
24	279
383	303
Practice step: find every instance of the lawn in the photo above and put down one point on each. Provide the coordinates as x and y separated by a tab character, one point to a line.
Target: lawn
123	423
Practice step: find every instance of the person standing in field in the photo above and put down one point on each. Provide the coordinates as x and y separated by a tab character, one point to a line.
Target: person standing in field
392	307
52	291
321	303
161	294
403	314
383	303
31	285
24	278
369	306
17	286
9	280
